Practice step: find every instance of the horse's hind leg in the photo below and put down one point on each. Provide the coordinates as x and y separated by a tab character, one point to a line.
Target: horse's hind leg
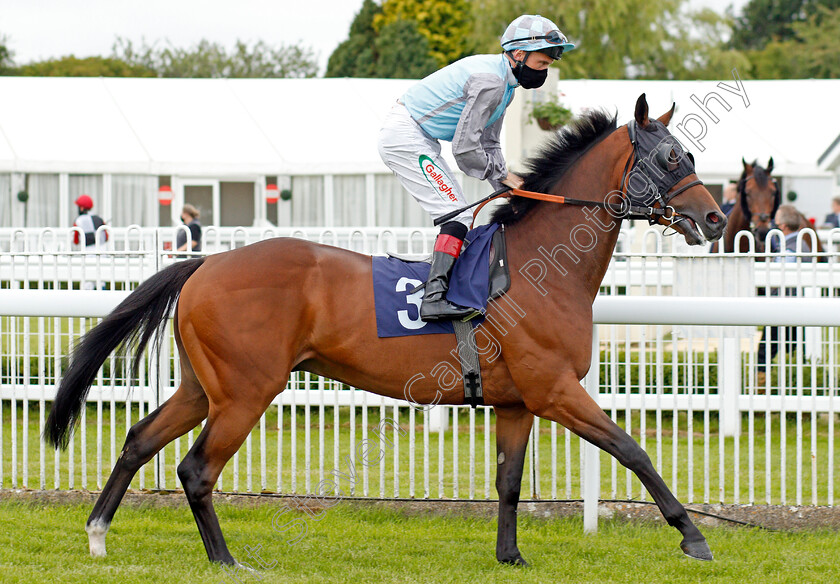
570	405
223	434
513	426
179	414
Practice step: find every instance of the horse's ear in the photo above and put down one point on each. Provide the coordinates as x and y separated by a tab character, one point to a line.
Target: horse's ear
666	117
642	111
747	166
770	165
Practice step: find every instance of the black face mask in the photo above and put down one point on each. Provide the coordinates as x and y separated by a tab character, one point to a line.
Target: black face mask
527	77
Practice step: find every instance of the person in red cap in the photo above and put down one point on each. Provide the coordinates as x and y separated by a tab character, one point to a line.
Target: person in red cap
88	223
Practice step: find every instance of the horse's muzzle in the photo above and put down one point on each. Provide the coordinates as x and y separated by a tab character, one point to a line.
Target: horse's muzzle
713	225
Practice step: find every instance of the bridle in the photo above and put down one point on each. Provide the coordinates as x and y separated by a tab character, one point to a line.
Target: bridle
645	159
745	209
652	203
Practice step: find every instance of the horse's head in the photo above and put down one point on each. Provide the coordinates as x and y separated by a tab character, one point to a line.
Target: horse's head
663	177
759	198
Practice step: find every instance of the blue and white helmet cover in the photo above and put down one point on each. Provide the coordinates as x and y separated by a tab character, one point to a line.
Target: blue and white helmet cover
523	31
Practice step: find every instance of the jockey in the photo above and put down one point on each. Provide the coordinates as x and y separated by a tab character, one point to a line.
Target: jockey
463	103
88	223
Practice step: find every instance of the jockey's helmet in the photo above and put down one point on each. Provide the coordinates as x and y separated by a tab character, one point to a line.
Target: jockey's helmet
532	32
84	202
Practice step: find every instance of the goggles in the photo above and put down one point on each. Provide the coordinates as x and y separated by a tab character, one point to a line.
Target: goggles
554	37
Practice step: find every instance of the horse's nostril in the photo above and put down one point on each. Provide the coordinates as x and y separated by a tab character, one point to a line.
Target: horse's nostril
713	218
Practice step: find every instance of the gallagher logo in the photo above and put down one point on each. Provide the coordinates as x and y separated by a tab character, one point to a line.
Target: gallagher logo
437	178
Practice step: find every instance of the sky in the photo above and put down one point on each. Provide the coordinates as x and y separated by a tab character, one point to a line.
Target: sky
44	29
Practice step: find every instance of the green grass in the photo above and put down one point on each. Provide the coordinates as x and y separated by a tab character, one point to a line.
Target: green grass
567	486
46	543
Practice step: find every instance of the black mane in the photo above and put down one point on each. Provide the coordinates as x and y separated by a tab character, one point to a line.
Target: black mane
554	159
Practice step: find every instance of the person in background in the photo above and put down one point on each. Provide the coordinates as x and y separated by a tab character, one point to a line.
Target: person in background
729	198
88	223
833	218
464	103
189	216
787	219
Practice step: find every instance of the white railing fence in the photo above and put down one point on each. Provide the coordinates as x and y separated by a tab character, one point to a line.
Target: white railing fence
677	358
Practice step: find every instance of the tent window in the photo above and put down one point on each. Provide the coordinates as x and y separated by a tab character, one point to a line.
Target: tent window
6	200
237	204
349	200
130	195
307	201
42	207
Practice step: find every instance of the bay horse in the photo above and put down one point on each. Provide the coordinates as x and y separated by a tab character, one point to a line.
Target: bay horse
245	319
759	197
758	200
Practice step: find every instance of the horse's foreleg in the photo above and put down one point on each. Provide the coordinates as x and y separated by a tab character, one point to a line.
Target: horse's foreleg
570	405
513	426
178	415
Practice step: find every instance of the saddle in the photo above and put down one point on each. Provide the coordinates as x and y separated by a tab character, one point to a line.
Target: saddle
499	280
498	283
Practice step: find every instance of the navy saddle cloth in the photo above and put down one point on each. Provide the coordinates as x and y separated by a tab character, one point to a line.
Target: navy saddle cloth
479	275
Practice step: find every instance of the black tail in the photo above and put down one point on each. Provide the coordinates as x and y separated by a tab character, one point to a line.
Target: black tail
133	322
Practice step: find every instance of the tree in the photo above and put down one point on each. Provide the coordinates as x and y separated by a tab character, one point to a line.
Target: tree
397	50
695	48
208	59
7	62
403	52
355	56
617	39
813	51
70	66
445	24
765	21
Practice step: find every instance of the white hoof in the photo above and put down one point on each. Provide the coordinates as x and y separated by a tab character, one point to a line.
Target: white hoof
246	568
96	538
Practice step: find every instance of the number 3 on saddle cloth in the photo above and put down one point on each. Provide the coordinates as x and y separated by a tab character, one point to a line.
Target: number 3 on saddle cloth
480	274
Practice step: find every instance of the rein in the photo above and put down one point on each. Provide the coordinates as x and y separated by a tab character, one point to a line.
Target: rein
625	210
617	210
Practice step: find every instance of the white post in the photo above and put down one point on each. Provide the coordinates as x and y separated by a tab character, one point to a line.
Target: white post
329	201
729	386
64	202
284	208
439	419
592	454
370	200
106	210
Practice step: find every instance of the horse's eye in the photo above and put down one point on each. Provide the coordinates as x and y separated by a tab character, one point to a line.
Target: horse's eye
666	158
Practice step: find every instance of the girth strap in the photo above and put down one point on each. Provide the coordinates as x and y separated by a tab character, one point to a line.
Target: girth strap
470	367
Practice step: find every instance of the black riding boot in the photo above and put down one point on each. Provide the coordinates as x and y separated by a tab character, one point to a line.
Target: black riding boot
435	305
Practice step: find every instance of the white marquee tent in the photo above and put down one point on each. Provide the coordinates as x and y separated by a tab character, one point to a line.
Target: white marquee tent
222	129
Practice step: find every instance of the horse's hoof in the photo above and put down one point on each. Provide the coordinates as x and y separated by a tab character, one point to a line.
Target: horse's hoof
96	538
516	560
247	568
699	550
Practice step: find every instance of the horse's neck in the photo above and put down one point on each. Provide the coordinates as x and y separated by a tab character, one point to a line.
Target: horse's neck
573	243
736	222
